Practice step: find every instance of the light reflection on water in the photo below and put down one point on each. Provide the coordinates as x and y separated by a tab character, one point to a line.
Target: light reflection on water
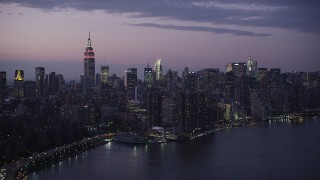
267	150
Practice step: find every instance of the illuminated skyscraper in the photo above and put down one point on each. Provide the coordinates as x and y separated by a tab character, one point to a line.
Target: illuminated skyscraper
40	86
157	68
251	67
148	76
105	74
191	80
239	69
130	78
89	68
18	84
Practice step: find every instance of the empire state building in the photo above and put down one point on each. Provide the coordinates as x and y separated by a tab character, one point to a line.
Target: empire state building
89	68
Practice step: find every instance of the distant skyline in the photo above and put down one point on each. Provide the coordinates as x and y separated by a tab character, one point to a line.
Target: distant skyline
198	34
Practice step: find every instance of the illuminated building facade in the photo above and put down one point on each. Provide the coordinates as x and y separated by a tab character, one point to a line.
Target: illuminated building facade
157	68
148	76
18	84
209	77
105	74
239	69
130	78
89	68
251	67
40	84
190	81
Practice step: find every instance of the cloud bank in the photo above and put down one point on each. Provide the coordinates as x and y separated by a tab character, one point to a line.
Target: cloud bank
203	29
288	14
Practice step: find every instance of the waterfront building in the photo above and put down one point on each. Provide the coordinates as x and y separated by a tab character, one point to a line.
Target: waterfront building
89	69
170	111
40	82
155	109
188	111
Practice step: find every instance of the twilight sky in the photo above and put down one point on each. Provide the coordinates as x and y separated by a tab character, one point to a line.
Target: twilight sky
127	33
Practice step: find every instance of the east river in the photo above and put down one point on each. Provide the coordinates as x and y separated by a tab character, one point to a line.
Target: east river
265	150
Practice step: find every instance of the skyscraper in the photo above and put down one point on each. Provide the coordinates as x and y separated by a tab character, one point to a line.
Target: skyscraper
40	84
89	68
190	81
130	78
251	67
18	84
239	69
157	68
105	74
155	109
3	84
53	83
148	76
98	80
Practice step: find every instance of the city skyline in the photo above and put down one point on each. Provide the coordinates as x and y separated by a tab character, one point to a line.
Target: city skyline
124	34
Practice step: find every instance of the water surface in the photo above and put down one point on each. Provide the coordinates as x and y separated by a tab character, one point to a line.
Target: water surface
277	150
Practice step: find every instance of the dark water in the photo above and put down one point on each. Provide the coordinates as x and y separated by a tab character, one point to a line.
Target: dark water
261	151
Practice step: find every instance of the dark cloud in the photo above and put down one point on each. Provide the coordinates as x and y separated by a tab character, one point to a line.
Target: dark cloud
289	14
203	29
21	14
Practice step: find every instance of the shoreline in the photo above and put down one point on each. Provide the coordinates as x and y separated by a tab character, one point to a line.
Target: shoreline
19	169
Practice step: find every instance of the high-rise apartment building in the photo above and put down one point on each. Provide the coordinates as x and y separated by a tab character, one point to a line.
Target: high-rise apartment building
40	84
3	84
155	109
130	78
53	84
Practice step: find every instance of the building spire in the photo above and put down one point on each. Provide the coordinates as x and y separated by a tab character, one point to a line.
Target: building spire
19	77
89	40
